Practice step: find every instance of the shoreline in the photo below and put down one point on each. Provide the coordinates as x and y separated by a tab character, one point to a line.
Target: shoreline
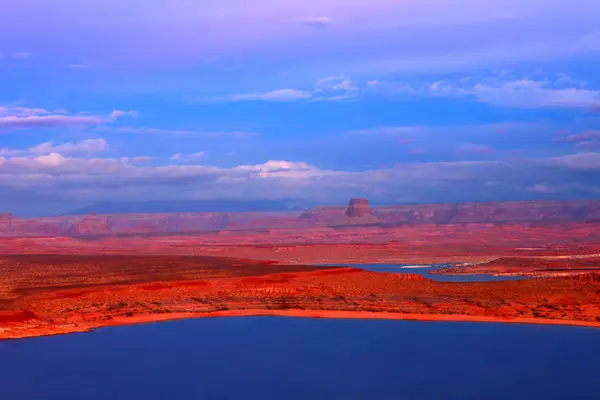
297	313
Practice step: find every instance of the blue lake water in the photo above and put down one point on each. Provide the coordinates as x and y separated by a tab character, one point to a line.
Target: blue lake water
293	358
426	272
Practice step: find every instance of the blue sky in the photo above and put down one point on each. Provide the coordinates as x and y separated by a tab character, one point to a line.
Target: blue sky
311	101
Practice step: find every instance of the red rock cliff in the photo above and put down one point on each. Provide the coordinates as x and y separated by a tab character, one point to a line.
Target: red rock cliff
359	208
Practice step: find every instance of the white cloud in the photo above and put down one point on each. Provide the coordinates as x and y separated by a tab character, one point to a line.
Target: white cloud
586	140
285	169
526	93
335	84
275	95
346	85
188	157
589	161
49	120
50	160
386	130
503	90
386	87
139	159
331	88
96	179
174	132
23	117
119	113
83	147
328	82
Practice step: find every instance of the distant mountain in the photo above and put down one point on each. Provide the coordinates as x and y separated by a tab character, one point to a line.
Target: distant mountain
224	205
165	217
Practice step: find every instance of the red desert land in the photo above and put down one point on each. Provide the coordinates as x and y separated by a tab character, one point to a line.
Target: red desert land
70	274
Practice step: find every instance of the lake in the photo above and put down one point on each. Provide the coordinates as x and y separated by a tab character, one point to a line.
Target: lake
426	272
293	358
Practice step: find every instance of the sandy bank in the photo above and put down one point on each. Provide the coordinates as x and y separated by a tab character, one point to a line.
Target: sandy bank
50	330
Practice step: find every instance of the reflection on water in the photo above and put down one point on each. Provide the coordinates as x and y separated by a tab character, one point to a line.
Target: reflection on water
426	272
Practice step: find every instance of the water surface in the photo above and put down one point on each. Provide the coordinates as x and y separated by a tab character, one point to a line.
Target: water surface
293	358
426	272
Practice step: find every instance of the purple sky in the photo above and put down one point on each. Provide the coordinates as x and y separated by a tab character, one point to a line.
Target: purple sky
308	101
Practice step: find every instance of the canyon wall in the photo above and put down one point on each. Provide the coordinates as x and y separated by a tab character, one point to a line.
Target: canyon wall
358	212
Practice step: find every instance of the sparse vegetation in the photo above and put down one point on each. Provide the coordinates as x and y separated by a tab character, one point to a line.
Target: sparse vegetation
117	306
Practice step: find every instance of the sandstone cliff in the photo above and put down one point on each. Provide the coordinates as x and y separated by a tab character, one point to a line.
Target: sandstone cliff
358	212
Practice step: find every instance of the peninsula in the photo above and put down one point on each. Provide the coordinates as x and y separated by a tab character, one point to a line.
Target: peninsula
62	283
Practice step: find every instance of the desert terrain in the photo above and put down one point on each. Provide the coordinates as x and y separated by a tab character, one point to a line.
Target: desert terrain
54	294
89	273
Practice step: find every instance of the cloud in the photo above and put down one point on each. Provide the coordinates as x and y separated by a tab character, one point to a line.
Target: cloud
335	83
503	90
139	159
589	139
174	132
119	113
76	66
386	87
589	161
83	147
319	21
452	131
328	82
527	93
49	121
335	88
279	95
22	117
332	88
50	160
188	157
286	169
58	176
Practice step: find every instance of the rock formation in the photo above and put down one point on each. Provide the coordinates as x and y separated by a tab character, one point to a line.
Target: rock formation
358	208
91	225
6	220
358	212
322	215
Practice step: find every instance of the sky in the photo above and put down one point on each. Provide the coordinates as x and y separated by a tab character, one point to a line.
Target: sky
307	101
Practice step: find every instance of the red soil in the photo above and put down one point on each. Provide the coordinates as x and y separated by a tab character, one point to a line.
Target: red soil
53	294
543	265
11	317
405	244
58	285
